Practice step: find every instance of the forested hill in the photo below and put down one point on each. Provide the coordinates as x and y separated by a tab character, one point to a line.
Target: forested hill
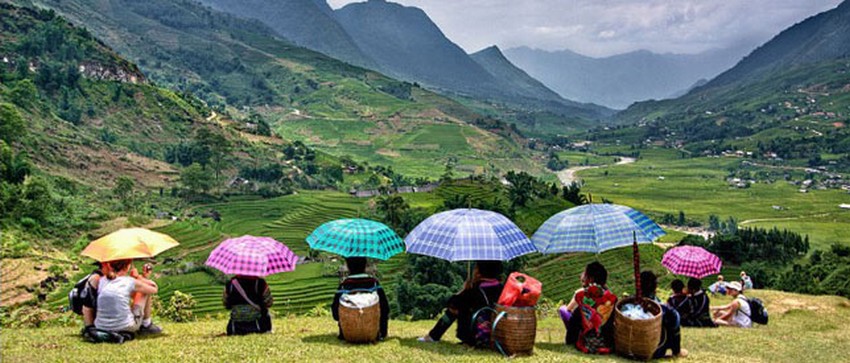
788	99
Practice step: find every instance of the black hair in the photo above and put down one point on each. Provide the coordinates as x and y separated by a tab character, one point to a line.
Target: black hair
356	265
596	272
677	286
694	285
489	269
117	266
648	283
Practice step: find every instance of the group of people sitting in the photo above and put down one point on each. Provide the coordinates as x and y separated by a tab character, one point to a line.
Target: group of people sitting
122	306
719	287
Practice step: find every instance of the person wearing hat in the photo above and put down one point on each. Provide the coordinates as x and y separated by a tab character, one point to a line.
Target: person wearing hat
719	287
736	313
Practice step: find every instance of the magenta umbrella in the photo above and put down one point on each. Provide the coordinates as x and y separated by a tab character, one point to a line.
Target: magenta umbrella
252	256
691	261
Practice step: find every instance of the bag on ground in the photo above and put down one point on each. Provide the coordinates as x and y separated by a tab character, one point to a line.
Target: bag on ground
520	290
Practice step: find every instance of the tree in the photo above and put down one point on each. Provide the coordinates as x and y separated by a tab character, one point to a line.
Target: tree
713	223
196	179
392	207
24	93
520	188
681	221
123	189
12	126
211	148
572	193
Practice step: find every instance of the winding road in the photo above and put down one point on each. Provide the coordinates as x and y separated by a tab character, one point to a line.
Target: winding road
569	175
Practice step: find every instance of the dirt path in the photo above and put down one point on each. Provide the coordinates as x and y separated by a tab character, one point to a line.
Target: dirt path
748	221
569	175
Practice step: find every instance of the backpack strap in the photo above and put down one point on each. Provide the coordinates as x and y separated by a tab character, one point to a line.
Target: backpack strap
744	298
244	295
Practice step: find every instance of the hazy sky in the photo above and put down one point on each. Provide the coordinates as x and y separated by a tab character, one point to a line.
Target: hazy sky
606	27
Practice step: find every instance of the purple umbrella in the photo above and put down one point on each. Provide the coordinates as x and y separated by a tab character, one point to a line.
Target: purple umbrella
252	256
691	261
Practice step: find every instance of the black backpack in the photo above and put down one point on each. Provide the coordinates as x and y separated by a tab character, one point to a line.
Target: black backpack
758	313
83	294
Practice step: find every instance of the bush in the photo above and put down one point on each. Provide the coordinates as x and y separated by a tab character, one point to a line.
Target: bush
179	308
319	311
13	246
27	317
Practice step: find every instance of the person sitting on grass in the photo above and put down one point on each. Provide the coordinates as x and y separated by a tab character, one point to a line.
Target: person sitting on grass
248	298
678	297
719	287
671	335
358	279
481	290
694	312
746	281
587	316
736	313
121	285
90	301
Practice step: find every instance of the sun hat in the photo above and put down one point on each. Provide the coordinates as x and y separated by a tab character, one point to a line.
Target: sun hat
734	285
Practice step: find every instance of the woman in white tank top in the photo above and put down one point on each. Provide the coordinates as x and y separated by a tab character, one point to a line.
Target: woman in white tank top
737	313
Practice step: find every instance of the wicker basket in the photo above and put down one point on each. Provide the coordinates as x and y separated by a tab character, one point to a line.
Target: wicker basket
637	338
515	331
360	325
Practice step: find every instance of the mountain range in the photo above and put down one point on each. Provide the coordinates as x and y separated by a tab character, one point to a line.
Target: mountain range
404	43
790	97
620	80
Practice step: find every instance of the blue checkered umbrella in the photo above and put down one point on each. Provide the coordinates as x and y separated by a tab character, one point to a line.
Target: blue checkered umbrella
356	238
468	235
594	228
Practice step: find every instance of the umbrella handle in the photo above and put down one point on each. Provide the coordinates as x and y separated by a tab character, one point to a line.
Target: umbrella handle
636	254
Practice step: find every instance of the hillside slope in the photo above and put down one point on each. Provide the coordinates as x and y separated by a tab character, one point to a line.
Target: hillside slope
337	107
822	37
788	99
406	44
308	23
802	328
92	115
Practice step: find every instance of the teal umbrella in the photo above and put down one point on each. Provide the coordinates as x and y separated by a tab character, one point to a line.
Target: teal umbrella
356	238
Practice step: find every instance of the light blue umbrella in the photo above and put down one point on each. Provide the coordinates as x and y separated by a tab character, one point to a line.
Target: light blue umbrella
356	238
595	228
468	235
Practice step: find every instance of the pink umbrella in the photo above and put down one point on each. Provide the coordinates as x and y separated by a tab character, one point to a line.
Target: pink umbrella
691	261
252	256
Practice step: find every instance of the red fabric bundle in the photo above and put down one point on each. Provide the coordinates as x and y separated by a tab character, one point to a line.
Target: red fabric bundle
520	290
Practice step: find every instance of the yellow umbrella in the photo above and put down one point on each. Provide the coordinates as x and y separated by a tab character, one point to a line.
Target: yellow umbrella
129	243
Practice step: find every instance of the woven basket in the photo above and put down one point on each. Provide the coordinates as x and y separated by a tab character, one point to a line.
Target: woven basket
360	325
637	338
516	330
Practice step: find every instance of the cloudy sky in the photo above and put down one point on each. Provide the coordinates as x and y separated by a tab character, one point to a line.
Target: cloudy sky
606	27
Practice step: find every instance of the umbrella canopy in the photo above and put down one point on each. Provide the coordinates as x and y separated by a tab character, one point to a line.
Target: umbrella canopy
595	228
356	238
468	235
252	256
691	261
129	243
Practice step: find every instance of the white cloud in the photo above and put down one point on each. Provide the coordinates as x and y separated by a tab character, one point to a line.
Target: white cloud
605	27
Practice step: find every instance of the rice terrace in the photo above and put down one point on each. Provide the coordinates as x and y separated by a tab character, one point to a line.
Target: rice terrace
376	180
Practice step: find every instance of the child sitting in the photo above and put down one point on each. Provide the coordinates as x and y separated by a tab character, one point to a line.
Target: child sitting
587	316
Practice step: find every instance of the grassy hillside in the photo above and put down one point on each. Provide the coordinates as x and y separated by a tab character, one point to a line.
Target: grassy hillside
798	114
231	63
662	182
802	328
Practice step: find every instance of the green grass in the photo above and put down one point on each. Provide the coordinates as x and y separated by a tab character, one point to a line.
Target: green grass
698	187
802	328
